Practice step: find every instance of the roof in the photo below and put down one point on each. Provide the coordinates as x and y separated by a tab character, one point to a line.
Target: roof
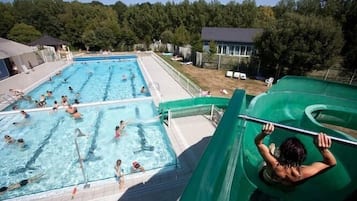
48	40
9	48
243	35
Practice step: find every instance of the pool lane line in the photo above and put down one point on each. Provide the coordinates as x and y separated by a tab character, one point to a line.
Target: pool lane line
132	84
108	83
85	83
38	150
90	154
62	82
141	133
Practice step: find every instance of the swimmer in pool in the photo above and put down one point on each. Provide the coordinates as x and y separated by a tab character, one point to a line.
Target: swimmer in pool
117	132
136	167
24	182
9	140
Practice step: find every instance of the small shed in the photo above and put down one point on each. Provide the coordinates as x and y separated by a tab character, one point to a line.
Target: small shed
47	40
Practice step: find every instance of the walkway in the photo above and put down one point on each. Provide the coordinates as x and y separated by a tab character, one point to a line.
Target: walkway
189	137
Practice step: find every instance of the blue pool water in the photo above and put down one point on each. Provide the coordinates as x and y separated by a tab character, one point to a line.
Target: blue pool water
50	137
92	80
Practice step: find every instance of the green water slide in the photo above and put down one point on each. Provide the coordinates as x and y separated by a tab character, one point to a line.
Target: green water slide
228	170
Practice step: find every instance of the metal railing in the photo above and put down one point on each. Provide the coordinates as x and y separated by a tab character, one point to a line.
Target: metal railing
78	134
182	80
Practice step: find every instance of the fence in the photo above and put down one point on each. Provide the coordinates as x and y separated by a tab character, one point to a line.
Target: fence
185	83
336	75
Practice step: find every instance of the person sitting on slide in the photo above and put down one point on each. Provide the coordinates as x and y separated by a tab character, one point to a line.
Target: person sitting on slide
287	169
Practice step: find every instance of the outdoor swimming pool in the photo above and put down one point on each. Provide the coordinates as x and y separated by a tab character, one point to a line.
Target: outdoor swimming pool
50	142
92	79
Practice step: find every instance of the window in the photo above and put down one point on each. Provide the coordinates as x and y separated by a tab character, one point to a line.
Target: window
243	50
219	49
237	50
249	50
224	50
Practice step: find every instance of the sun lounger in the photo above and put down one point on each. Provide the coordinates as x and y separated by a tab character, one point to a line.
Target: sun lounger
187	63
236	75
242	76
176	58
269	81
229	73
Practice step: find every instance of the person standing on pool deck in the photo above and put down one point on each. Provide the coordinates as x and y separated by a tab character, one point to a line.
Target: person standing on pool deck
119	176
286	169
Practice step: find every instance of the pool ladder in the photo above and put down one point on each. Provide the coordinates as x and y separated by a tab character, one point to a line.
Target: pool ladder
78	133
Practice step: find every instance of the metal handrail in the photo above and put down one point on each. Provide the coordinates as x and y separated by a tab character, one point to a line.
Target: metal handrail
299	130
80	134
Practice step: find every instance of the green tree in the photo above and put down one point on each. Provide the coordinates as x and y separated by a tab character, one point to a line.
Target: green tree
181	36
7	18
196	43
127	37
284	6
301	43
349	26
23	33
42	14
212	48
167	37
265	17
120	9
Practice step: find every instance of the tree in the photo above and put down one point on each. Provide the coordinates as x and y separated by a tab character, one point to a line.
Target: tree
42	14
284	6
265	17
167	36
23	33
120	9
301	43
349	26
7	18
212	48
196	43
181	36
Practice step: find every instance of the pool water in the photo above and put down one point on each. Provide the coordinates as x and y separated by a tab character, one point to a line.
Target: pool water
50	148
50	135
91	81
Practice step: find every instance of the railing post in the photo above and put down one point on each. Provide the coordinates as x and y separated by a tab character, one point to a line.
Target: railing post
80	134
212	108
169	118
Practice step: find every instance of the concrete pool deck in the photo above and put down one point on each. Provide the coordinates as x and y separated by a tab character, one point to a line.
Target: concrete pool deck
189	137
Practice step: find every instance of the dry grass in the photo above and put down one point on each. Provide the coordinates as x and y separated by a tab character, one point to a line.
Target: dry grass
215	80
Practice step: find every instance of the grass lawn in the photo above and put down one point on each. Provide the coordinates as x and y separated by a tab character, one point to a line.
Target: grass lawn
214	80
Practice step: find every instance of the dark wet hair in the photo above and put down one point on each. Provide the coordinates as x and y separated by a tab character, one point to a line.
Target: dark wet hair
119	161
116	127
292	152
20	140
3	189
